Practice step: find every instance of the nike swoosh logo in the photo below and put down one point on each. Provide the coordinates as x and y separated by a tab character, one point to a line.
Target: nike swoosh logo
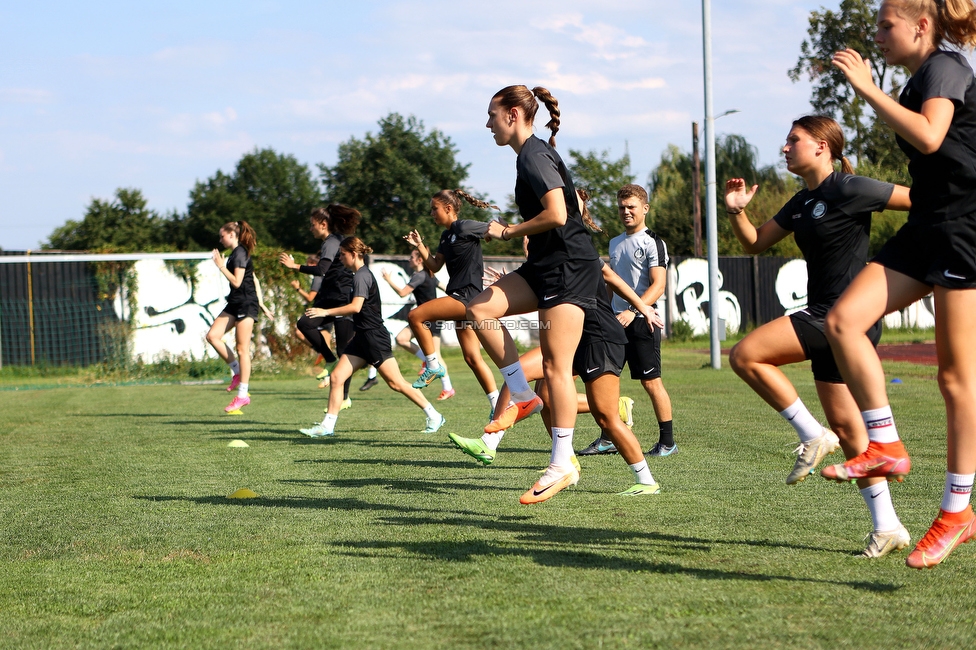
647	372
550	297
542	491
509	374
875	496
953	276
564	435
592	369
807	201
874	467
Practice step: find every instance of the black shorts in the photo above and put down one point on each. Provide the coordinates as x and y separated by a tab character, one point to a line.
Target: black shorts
598	357
435	327
643	350
242	310
575	282
371	345
466	294
809	327
942	254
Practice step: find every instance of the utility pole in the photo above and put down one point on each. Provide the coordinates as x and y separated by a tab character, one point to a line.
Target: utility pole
696	189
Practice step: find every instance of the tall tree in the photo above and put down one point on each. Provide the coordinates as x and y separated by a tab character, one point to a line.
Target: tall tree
390	178
122	224
670	191
273	192
851	26
601	177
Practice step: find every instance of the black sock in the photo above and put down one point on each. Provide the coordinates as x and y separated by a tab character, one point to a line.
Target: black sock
667	435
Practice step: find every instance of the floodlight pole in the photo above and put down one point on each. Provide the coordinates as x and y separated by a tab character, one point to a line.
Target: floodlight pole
710	188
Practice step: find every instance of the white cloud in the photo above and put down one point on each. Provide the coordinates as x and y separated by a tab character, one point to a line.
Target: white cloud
608	42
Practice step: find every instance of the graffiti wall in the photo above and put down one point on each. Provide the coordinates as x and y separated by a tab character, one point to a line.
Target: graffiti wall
173	315
755	291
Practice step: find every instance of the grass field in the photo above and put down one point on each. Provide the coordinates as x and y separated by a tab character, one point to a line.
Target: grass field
116	530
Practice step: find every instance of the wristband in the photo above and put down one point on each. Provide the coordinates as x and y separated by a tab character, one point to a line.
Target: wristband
737	211
633	310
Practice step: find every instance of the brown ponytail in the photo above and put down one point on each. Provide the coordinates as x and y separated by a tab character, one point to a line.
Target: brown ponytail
356	246
821	127
245	234
343	220
452	199
525	99
587	218
953	21
552	106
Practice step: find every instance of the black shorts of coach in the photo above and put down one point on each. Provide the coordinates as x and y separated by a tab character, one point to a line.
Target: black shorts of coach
575	282
809	327
371	345
596	358
643	350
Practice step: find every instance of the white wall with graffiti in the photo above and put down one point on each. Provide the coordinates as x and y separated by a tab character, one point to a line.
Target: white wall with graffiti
688	297
173	315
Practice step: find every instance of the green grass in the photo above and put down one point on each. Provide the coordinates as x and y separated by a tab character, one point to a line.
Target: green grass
116	530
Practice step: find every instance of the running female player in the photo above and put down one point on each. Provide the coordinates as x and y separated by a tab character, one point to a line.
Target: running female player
831	222
560	278
935	125
460	250
423	286
598	361
241	309
370	345
330	225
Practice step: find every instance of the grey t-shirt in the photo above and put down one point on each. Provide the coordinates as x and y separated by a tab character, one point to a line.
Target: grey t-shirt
632	257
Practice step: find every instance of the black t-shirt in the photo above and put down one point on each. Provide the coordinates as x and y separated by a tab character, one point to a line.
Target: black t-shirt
336	279
461	247
540	169
832	227
246	293
370	317
424	286
599	323
944	182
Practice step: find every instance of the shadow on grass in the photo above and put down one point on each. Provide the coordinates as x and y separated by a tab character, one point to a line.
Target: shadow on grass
466	551
444	486
541	540
295	502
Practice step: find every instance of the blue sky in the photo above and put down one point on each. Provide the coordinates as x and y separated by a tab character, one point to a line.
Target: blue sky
96	96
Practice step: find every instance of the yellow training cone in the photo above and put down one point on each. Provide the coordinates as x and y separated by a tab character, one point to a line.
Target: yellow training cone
237	443
243	493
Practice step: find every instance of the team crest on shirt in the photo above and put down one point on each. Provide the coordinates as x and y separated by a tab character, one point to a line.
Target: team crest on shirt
453	238
639	253
819	209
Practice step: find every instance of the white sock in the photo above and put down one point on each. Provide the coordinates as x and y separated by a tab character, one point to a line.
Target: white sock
562	447
235	366
958	488
432	362
431	412
242	390
492	399
802	421
880	424
329	421
420	355
371	373
517	383
491	440
446	382
642	473
877	497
